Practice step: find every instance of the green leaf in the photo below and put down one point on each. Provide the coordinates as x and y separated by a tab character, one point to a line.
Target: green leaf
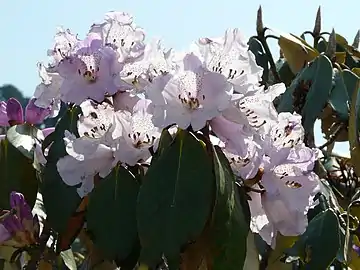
68	258
165	140
321	46
261	57
319	73
320	243
285	73
175	200
339	97
286	100
111	214
296	51
54	190
230	225
351	80
23	138
319	91
17	174
354	129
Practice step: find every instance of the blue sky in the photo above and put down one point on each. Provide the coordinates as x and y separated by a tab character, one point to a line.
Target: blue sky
28	27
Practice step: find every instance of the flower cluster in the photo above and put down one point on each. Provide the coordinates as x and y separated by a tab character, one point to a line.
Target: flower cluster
129	90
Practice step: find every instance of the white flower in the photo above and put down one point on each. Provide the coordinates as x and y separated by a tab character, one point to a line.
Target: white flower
96	119
139	134
119	32
255	108
230	56
64	43
47	93
139	72
87	158
93	152
190	96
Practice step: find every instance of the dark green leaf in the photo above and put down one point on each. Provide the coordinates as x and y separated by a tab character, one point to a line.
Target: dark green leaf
17	174
54	190
319	91
111	214
230	225
285	73
351	80
319	73
286	100
175	200
322	46
320	243
165	141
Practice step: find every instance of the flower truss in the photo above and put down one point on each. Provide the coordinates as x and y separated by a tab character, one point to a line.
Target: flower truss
129	90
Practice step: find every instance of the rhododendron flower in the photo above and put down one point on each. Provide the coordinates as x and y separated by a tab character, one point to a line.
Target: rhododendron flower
88	71
120	33
255	108
64	43
190	96
138	73
11	113
230	56
87	158
290	188
47	93
287	178
18	227
139	134
93	152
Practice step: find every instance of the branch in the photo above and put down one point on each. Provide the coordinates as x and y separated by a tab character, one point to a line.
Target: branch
333	136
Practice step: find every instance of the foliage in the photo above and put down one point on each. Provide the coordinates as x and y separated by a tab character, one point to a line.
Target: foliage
203	160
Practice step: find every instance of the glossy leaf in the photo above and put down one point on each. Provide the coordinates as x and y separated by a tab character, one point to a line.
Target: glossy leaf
351	80
23	137
296	51
285	73
319	91
320	243
319	74
165	140
230	224
339	97
111	214
175	200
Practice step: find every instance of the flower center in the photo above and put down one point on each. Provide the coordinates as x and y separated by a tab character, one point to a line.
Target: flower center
141	139
89	67
190	101
287	136
190	86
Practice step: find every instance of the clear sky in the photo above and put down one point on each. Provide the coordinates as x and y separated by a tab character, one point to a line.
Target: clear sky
28	27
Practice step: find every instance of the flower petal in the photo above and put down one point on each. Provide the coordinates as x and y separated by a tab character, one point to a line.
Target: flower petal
14	111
